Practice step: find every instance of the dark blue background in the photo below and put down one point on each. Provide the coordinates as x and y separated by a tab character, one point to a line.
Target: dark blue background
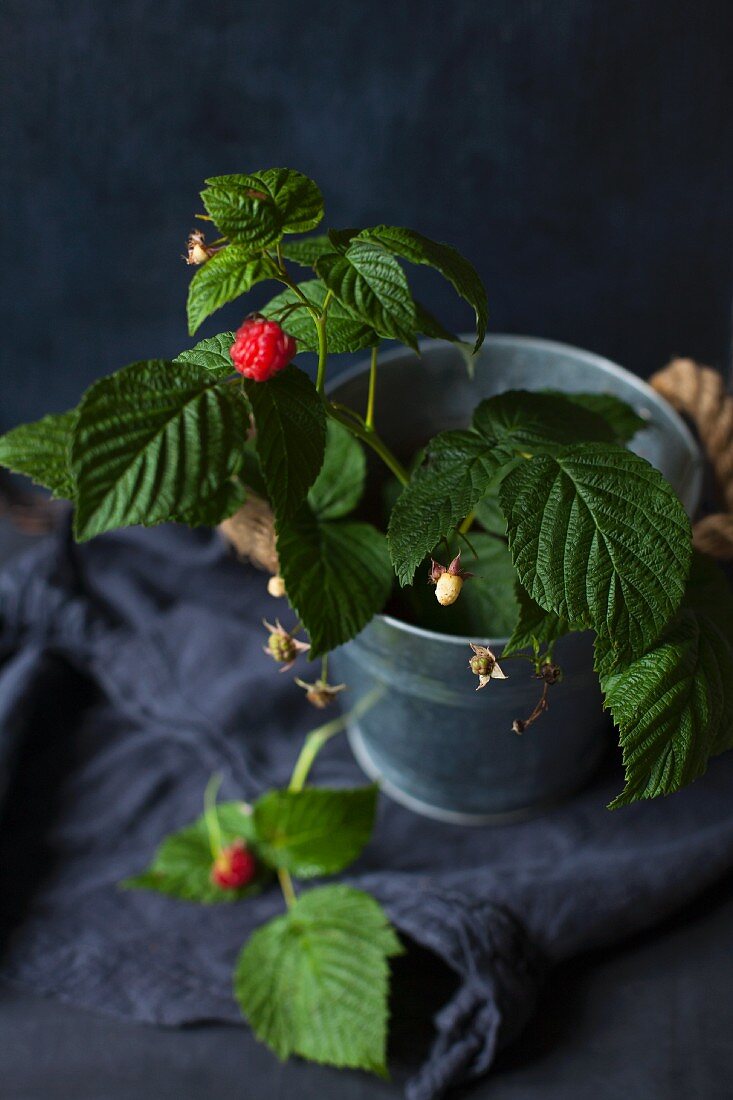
579	151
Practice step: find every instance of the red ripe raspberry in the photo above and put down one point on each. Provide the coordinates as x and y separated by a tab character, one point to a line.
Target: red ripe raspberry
261	348
234	867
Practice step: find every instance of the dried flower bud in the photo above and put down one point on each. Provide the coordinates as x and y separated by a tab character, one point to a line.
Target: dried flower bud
320	694
518	726
551	674
197	251
282	646
276	586
485	665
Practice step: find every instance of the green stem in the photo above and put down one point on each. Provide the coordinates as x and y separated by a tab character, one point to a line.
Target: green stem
317	738
467	523
372	440
211	817
286	885
369	421
324	668
322	352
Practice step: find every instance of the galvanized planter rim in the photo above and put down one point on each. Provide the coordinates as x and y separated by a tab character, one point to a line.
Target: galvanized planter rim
537	343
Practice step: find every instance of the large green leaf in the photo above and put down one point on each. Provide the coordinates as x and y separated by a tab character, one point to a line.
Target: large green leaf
244	212
460	468
533	626
41	451
530	423
315	831
296	200
153	442
343	332
417	249
226	276
371	285
600	538
306	250
212	354
182	865
337	574
338	488
291	436
624	421
315	981
673	704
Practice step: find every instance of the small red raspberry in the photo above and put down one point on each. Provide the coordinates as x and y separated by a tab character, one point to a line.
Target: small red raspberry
261	348
234	867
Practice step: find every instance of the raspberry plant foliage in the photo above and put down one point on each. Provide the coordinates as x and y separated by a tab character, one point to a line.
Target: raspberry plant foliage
562	526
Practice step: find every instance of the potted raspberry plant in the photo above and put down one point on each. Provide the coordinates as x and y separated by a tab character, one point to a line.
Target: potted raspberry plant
537	507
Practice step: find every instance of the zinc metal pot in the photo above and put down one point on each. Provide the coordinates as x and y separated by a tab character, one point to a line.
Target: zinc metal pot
430	740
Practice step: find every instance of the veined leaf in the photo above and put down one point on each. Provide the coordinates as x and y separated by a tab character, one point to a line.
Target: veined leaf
211	354
338	488
315	831
156	441
528	423
315	981
600	538
244	212
622	419
306	250
417	249
343	332
41	451
296	198
337	575
227	275
291	436
371	285
460	468
183	863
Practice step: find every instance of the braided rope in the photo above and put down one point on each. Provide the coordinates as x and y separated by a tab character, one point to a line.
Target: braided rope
699	393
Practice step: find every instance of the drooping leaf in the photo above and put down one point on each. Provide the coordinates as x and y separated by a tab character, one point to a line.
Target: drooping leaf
291	436
430	326
226	276
296	199
337	575
417	249
156	441
623	420
244	212
212	354
338	488
371	285
41	451
441	493
182	865
533	625
306	250
315	981
600	538
343	332
672	705
315	831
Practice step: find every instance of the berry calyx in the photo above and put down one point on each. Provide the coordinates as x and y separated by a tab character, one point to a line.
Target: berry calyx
261	348
320	694
282	646
234	867
484	665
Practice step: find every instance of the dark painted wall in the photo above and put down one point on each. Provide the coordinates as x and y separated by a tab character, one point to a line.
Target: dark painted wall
579	151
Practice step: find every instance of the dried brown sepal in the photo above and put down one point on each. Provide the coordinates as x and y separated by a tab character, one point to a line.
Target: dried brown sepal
320	694
282	646
485	665
197	250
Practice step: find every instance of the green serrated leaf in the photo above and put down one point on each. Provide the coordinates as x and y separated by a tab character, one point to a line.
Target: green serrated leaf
307	250
600	538
529	423
227	275
182	864
459	470
315	831
291	436
296	198
622	419
371	285
343	332
156	441
338	488
337	575
211	354
533	626
315	981
417	249
489	514
40	451
244	212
